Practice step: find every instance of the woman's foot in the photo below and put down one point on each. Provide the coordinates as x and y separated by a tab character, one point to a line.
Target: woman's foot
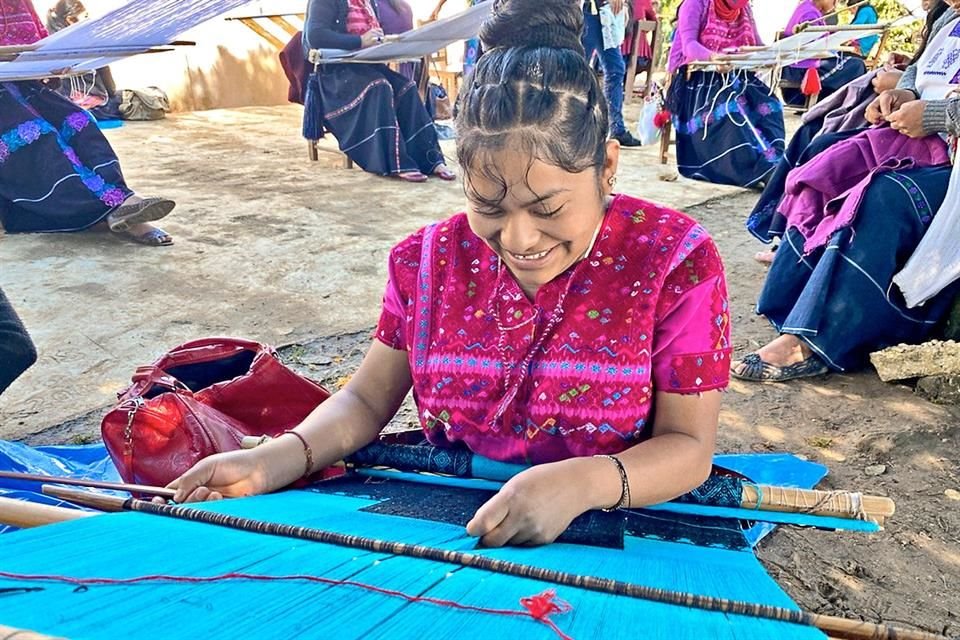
147	234
136	210
765	257
412	176
444	173
786	358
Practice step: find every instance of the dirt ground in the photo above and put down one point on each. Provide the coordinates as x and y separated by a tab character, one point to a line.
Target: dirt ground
272	247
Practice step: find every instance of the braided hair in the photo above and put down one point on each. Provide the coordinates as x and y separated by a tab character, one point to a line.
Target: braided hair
532	92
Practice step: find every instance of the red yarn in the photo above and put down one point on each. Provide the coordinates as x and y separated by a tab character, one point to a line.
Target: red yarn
661	118
544	605
538	607
811	85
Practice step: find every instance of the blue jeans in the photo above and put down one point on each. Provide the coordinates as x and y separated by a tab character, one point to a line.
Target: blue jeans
614	70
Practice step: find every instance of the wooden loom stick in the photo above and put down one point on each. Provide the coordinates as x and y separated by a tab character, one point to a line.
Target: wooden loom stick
93	484
842	627
23	634
816	502
829	28
838	12
842	504
23	514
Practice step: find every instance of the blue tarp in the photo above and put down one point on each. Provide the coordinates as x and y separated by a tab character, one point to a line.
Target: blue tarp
92	462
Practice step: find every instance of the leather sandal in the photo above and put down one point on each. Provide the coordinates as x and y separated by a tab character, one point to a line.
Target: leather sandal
756	370
144	210
156	237
444	174
412	176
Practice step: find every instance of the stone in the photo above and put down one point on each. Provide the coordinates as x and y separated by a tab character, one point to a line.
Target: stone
904	361
875	469
940	389
953	494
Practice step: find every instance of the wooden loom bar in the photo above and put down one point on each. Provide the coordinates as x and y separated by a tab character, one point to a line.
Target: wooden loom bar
842	504
841	627
830	28
23	514
263	33
815	502
282	22
23	634
93	484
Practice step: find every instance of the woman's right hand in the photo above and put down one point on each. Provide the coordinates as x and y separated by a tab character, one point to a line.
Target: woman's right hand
886	80
886	103
229	474
371	38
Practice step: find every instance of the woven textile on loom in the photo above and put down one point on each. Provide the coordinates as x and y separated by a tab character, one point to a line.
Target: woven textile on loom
469	603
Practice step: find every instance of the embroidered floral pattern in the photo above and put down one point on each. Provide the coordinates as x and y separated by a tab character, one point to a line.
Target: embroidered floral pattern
30	131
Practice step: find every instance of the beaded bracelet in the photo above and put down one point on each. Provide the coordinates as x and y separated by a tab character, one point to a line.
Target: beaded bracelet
624	500
308	452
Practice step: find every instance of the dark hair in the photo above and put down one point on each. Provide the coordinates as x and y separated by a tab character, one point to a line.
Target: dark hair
58	17
533	90
932	16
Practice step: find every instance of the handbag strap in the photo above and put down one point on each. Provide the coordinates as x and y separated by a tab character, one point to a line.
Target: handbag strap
248	345
207	349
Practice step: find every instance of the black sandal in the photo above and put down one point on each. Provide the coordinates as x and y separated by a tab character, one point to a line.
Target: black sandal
756	370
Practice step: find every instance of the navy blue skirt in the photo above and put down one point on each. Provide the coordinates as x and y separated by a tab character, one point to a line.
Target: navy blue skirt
729	130
378	119
57	171
841	299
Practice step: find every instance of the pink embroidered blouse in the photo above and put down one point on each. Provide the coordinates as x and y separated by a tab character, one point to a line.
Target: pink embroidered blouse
19	23
361	17
573	372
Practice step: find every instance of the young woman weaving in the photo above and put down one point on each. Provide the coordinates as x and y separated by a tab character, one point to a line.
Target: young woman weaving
554	322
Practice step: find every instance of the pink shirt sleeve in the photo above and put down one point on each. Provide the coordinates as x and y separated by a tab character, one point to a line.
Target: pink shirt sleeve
392	327
402	269
692	337
689	21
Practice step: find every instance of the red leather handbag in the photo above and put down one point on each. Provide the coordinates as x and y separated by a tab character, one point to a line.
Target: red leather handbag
202	398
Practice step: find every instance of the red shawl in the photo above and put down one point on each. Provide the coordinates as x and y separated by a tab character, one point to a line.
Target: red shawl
729	10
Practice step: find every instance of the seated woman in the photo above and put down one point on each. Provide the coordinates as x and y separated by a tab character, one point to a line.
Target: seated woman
57	171
95	91
834	72
17	352
833	301
729	129
375	113
837	118
544	324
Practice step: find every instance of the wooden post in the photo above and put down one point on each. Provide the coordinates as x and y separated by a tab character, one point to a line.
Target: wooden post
23	514
665	134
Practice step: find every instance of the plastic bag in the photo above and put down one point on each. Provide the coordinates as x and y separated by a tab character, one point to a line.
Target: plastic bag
647	130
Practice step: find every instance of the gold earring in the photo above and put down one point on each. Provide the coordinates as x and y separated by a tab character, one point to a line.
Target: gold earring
612	181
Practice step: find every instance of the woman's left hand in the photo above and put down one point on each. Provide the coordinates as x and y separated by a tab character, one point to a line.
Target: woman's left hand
908	119
534	507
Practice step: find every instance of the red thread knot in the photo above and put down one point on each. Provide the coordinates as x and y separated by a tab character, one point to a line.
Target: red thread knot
545	604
